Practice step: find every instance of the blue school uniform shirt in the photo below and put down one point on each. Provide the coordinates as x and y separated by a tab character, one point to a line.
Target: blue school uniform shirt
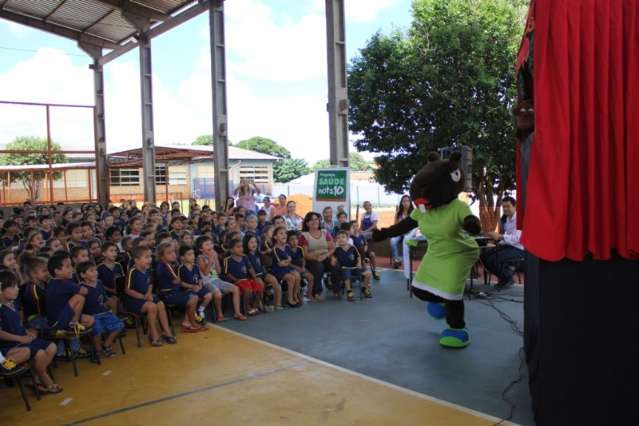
166	274
10	323
256	263
58	294
280	254
347	258
192	276
108	277
359	241
94	300
238	268
7	242
297	256
46	234
138	280
32	299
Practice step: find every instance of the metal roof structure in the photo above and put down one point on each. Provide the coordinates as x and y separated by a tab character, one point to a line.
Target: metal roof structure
107	29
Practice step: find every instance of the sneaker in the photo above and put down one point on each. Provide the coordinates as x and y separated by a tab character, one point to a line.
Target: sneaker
199	318
349	296
436	310
269	308
279	308
200	312
456	338
376	276
505	285
367	293
169	339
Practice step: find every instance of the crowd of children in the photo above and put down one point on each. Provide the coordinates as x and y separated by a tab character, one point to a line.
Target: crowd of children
83	269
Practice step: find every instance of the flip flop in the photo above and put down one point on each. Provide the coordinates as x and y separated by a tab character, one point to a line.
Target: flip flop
240	317
189	329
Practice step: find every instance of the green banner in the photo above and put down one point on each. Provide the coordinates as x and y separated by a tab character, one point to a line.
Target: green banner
331	185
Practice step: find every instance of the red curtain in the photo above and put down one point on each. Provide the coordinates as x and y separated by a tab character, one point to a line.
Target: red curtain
583	186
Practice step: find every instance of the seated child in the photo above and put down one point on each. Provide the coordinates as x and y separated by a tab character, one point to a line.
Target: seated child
250	244
238	271
210	268
173	290
283	269
33	293
350	264
78	255
95	251
298	261
266	247
360	242
139	298
109	272
65	298
191	278
105	321
74	233
19	345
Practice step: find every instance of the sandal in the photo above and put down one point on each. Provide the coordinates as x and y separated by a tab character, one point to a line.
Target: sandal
349	296
240	317
52	388
252	312
221	319
169	339
188	329
156	343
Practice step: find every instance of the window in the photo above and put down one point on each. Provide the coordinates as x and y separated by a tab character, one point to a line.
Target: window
160	175
125	177
177	177
259	174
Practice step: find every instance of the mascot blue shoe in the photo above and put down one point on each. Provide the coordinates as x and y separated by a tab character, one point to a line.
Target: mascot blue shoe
436	310
455	338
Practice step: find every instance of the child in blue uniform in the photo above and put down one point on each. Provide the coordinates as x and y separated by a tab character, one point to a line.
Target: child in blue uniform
19	345
361	243
105	321
251	244
349	261
32	295
110	272
238	270
65	298
191	278
282	268
141	300
298	261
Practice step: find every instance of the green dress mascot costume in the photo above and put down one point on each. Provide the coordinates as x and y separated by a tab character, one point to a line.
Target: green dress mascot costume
447	224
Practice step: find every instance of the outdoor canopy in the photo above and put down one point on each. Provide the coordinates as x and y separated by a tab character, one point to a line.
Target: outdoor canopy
582	195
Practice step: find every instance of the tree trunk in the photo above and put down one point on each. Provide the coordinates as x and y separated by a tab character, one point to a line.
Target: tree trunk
489	210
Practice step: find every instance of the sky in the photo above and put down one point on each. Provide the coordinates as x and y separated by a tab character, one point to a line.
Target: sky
276	77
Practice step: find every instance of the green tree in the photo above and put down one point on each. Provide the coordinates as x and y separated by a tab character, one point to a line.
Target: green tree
450	80
203	140
32	181
287	169
355	160
265	146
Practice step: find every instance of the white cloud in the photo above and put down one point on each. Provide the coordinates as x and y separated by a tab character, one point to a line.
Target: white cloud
16	30
359	10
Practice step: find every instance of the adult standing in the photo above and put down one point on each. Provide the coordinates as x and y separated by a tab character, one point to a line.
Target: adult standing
269	209
293	220
403	211
369	220
246	193
280	209
318	247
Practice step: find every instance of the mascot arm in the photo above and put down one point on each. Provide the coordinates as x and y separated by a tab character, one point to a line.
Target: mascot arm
401	228
472	225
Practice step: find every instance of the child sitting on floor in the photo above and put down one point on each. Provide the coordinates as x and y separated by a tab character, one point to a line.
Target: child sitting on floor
141	300
350	264
105	321
238	271
210	268
20	345
191	278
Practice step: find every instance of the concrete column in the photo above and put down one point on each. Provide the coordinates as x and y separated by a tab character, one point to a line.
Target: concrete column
148	145
218	84
337	85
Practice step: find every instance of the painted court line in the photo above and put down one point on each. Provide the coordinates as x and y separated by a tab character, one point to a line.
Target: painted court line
372	379
133	407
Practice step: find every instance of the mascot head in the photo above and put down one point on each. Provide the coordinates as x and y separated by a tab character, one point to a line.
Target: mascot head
438	182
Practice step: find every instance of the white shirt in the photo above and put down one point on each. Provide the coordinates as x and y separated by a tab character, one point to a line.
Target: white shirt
512	235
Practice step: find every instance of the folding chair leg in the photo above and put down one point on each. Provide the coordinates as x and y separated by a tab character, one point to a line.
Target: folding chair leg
121	345
73	360
35	386
137	333
50	373
169	315
23	393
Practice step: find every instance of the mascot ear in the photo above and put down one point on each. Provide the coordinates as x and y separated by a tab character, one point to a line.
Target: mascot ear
432	156
455	157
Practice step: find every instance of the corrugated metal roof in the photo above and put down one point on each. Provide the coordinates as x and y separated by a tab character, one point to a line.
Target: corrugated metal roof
105	19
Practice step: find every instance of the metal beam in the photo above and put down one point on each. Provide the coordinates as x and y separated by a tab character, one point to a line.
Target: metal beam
337	85
220	119
136	9
57	30
148	145
157	30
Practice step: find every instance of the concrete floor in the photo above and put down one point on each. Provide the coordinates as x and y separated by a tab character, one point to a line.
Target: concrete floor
391	338
227	377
